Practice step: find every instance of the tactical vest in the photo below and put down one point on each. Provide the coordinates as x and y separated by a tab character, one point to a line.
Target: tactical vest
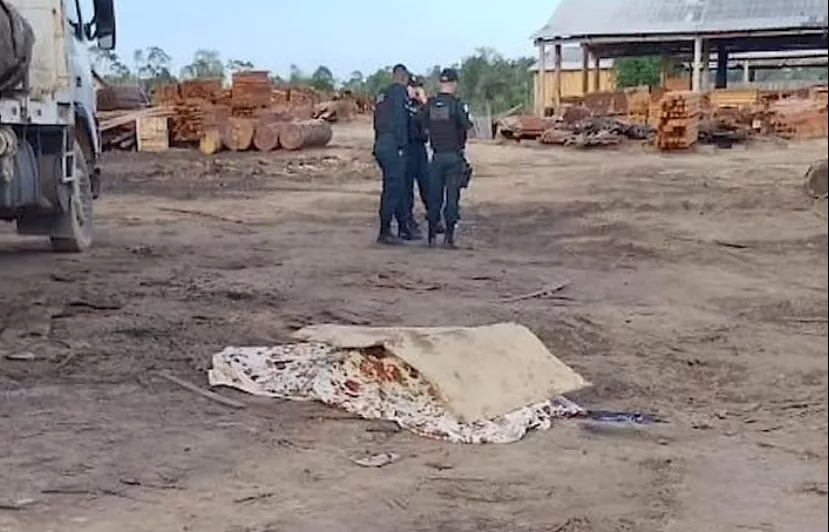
444	133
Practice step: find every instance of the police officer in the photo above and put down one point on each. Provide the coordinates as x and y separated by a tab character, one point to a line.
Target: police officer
391	137
417	161
447	121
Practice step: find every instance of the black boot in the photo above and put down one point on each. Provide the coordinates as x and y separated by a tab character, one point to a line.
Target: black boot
449	237
432	234
439	228
410	231
386	237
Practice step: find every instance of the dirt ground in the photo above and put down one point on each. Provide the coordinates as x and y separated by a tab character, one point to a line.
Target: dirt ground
698	292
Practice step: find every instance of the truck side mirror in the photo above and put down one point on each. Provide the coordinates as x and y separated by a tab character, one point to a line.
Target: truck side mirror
104	20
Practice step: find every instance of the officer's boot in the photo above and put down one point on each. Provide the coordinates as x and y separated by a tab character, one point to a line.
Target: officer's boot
386	237
449	237
410	231
432	234
439	228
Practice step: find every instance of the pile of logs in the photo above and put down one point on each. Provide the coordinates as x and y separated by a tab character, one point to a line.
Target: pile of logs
240	134
677	127
594	131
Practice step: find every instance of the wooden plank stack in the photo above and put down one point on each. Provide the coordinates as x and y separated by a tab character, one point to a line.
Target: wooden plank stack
799	119
679	117
152	133
251	89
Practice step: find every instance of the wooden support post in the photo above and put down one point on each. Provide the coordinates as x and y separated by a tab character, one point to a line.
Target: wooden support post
696	75
557	93
665	64
706	66
585	69
721	80
597	72
541	89
746	71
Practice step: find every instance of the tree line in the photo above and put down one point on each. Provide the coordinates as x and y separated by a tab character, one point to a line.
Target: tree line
488	80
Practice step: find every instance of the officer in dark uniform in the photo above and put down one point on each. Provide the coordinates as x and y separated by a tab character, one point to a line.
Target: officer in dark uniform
417	160
391	137
447	121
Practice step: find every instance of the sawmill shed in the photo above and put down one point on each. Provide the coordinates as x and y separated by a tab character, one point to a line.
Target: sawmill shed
571	67
675	30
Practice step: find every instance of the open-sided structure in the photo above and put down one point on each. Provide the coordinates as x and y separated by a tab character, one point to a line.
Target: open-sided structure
679	29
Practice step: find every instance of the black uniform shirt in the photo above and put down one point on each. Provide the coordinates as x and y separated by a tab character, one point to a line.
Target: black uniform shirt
391	118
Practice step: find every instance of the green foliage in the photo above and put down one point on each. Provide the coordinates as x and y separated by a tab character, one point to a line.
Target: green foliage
205	64
323	79
636	71
109	66
238	65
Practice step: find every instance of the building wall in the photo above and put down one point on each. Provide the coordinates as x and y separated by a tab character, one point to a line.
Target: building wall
571	85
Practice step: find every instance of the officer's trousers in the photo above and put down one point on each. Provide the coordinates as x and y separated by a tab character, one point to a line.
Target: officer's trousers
417	171
393	165
445	175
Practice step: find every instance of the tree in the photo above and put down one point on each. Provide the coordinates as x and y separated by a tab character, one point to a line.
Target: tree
296	76
152	66
322	79
374	83
206	64
636	71
238	65
490	82
108	65
355	82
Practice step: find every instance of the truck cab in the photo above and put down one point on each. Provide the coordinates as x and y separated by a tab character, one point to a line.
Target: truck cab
49	141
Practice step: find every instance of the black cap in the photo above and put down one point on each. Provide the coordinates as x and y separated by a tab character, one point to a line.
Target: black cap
448	75
415	81
400	68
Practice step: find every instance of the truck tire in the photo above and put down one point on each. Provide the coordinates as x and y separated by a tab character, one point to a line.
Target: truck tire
73	228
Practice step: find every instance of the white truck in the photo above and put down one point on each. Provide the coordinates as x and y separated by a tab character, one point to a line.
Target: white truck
49	139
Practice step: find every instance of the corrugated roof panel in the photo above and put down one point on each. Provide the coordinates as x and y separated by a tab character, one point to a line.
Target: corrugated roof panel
638	17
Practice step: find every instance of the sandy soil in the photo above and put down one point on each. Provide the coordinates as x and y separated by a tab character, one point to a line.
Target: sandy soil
699	292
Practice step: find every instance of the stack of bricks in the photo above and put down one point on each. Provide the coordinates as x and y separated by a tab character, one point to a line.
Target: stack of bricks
677	127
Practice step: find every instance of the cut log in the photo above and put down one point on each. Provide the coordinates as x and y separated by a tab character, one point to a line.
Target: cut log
266	136
816	179
305	134
237	133
210	142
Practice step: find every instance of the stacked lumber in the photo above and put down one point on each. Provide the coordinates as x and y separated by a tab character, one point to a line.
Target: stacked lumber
187	123
519	127
119	129
734	98
638	104
201	89
120	98
799	119
251	89
679	117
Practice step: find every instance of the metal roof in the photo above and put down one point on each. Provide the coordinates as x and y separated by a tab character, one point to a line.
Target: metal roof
605	18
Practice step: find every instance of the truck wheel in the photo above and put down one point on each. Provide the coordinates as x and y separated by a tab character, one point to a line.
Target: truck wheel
73	229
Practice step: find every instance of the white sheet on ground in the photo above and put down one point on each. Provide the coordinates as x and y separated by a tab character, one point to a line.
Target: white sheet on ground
454	384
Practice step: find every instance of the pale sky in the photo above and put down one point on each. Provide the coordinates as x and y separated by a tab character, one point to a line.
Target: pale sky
343	35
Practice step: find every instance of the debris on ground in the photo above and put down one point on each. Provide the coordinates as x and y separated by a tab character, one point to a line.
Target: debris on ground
494	388
816	179
376	460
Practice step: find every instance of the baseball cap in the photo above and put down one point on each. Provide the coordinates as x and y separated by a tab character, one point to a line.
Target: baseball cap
400	67
415	81
448	75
